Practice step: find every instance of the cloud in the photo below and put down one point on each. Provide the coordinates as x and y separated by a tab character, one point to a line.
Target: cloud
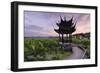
30	33
32	27
43	23
83	24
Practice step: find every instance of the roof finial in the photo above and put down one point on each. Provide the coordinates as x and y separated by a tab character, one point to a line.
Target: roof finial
61	18
75	23
72	18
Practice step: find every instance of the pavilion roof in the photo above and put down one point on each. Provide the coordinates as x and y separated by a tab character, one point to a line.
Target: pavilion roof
66	27
64	22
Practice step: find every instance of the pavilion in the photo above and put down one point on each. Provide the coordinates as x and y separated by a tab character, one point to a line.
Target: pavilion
65	29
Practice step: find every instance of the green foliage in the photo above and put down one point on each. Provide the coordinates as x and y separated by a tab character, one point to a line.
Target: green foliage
40	49
85	42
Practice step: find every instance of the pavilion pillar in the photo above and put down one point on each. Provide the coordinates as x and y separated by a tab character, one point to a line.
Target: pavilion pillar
59	37
70	37
62	38
66	37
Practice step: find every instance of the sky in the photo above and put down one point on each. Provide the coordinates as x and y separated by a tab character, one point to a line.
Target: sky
43	23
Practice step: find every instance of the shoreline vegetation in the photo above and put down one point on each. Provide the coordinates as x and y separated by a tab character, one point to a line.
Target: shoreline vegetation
46	49
42	49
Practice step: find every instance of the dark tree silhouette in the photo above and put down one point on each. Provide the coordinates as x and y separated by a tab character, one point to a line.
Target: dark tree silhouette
65	27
